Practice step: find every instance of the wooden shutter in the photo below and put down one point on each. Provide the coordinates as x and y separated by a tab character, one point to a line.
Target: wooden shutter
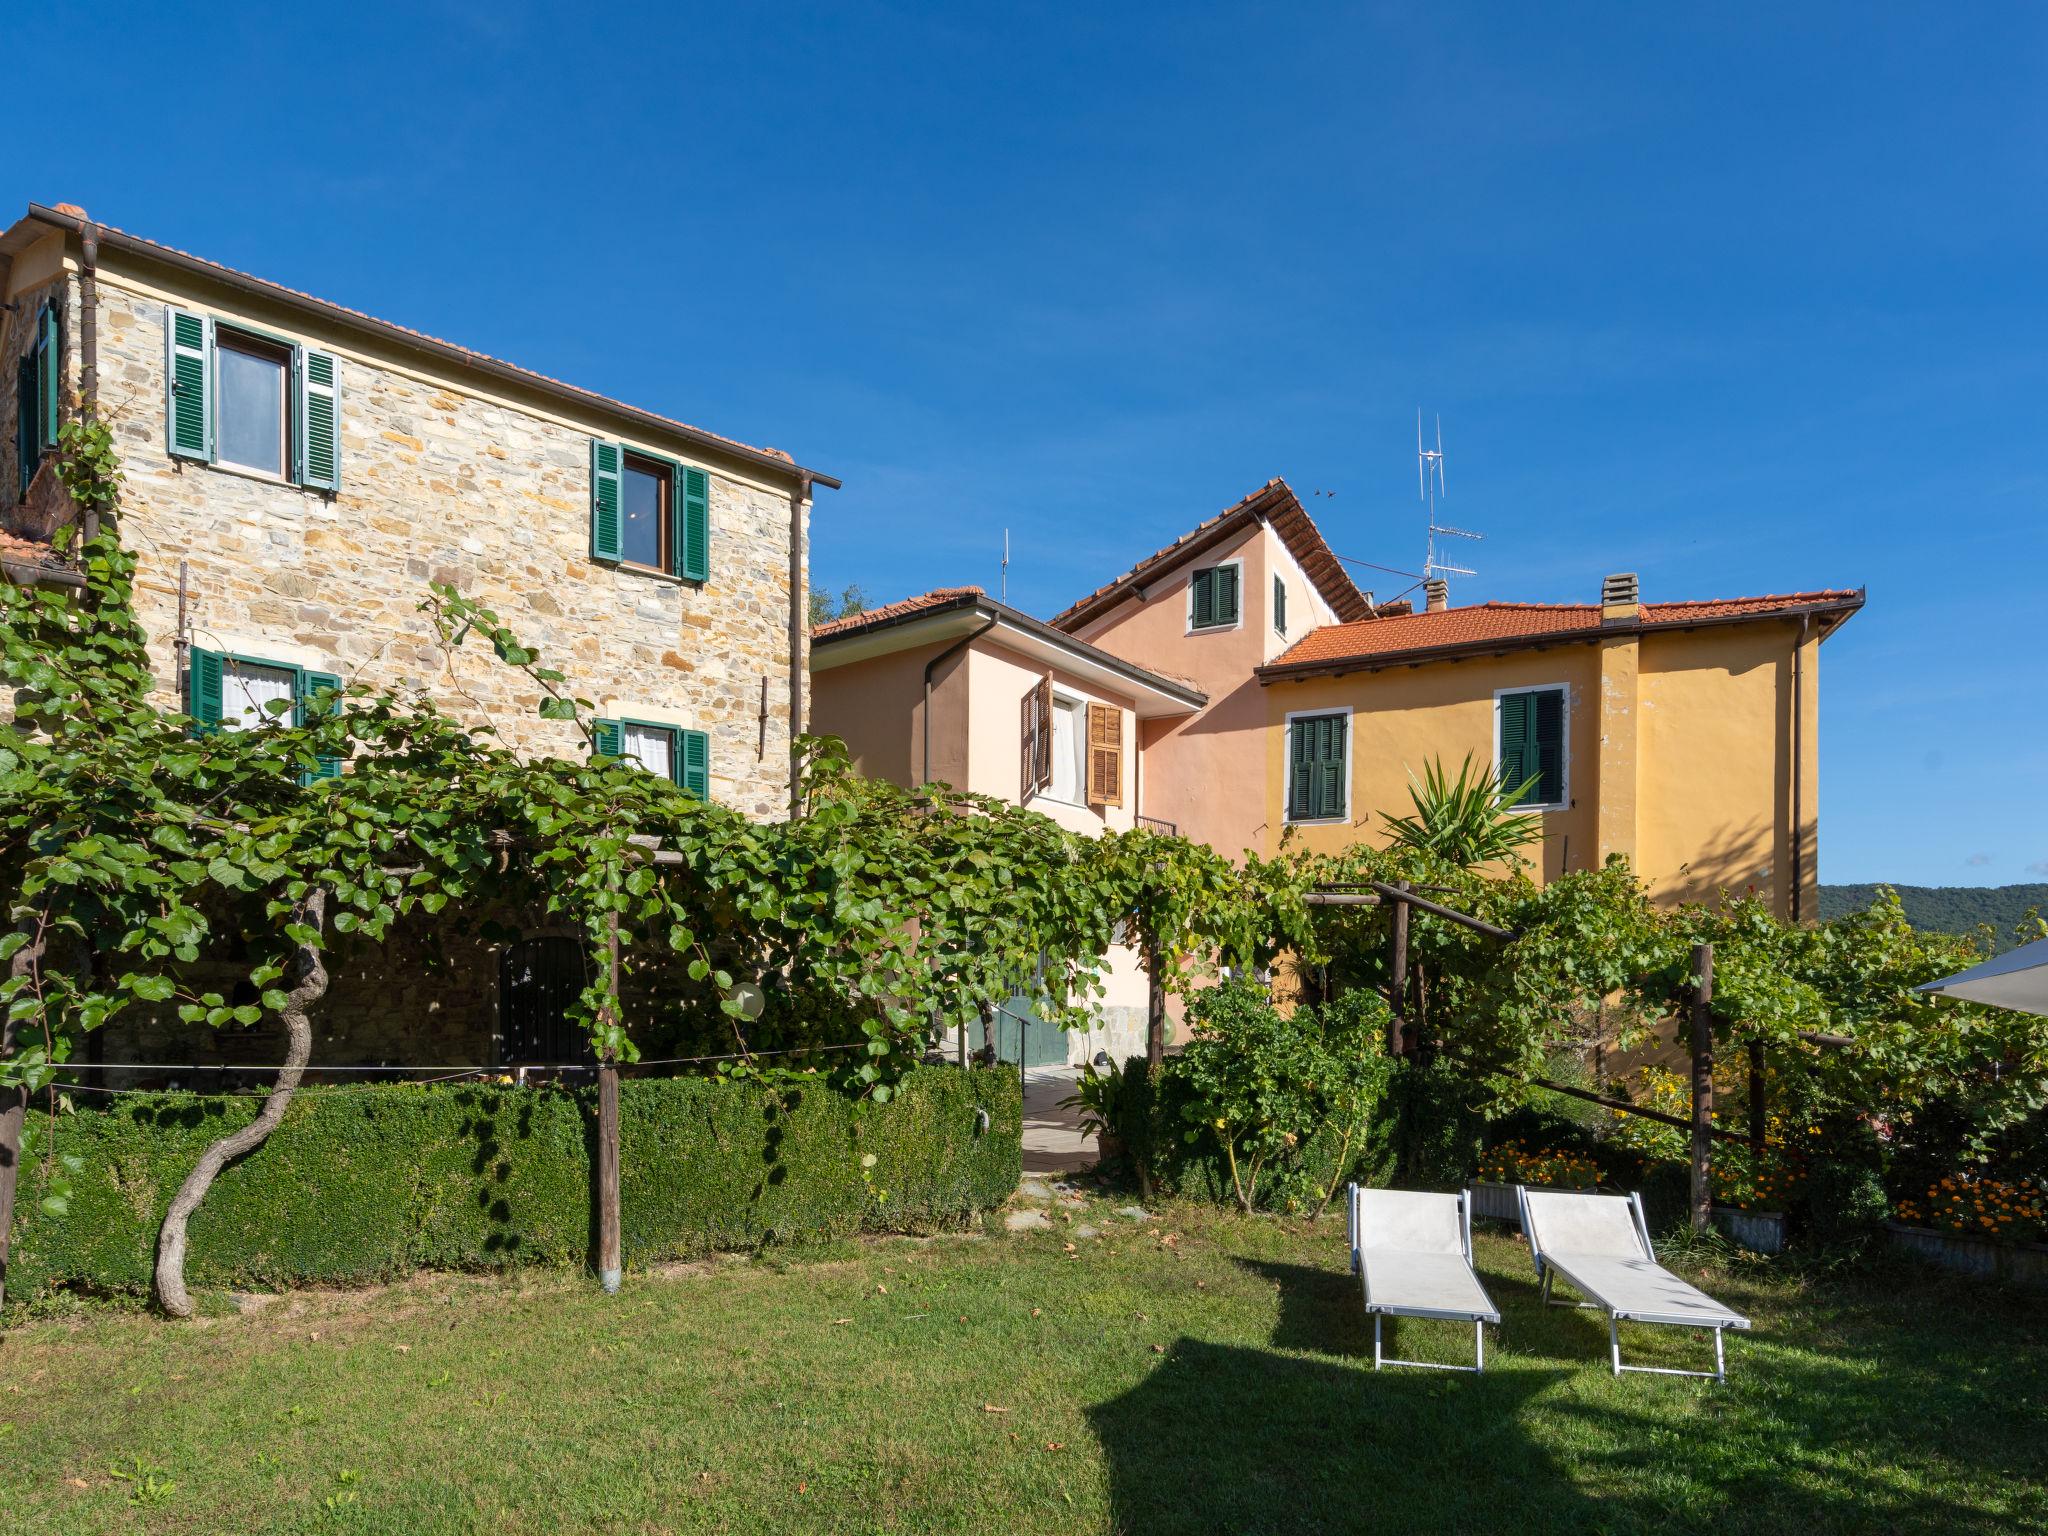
1226	595
1317	763
317	428
1547	740
1332	767
1202	605
203	679
693	763
1300	771
605	515
311	683
1105	755
1515	763
188	406
49	375
1280	604
1037	737
692	493
608	738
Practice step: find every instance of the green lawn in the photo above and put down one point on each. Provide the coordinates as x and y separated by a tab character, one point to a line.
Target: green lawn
1218	1382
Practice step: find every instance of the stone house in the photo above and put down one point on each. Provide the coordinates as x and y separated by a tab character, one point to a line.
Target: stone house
298	472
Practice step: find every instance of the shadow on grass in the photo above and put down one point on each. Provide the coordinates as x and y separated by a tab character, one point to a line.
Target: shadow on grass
1854	1410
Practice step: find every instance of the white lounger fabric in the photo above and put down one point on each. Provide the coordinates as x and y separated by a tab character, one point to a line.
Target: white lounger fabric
1596	1244
1410	1250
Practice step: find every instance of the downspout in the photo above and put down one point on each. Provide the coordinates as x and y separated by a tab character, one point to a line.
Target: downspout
1798	775
799	627
925	733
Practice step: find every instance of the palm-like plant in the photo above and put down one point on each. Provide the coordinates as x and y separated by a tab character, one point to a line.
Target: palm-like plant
1468	821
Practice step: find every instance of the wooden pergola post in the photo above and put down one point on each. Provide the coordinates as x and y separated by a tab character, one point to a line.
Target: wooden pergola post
1702	1087
1397	976
610	1263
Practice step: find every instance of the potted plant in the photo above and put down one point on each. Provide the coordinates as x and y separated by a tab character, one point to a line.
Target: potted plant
1515	1162
1996	1228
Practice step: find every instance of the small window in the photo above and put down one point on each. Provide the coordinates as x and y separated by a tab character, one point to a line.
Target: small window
1279	606
1318	761
1530	724
252	385
1212	598
1069	752
681	756
653	747
644	502
254	694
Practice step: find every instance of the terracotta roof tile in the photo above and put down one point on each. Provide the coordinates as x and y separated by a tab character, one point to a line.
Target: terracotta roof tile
1483	626
937	597
1277	503
27	551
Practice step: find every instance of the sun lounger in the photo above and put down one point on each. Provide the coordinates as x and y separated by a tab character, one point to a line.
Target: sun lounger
1600	1245
1412	1253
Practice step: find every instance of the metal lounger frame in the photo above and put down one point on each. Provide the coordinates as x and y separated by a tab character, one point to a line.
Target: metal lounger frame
1547	1268
1381	1313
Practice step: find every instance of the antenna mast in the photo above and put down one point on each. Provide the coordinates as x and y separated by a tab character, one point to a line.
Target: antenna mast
1005	588
1429	486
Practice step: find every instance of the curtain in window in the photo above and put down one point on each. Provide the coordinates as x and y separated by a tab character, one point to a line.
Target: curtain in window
247	686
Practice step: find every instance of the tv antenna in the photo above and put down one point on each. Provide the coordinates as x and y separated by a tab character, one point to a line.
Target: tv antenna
1429	485
1005	588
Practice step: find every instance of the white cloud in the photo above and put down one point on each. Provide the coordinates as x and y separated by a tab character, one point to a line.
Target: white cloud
1978	860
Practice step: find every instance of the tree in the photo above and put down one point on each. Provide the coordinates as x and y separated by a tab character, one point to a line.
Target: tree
1468	822
852	600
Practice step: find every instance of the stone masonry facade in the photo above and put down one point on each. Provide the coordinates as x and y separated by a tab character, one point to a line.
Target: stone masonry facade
444	480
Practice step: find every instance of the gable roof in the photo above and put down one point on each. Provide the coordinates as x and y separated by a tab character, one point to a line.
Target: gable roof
68	217
1274	503
1485	628
969	613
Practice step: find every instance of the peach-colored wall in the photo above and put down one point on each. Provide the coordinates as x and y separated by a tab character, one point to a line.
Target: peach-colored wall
1000	679
1306	609
1206	772
876	707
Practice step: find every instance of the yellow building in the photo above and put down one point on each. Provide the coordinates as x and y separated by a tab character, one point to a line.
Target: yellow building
1683	734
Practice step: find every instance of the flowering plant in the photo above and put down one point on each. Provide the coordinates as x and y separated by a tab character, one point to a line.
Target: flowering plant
1514	1162
2012	1209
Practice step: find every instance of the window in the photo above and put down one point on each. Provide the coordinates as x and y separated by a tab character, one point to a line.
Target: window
253	402
1212	597
649	512
1279	606
539	981
1069	757
249	403
1529	726
225	692
681	756
1318	777
644	508
35	397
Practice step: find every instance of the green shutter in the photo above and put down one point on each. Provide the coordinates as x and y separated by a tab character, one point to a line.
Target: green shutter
693	524
1226	595
311	683
203	687
1316	768
188	406
1300	771
693	763
1547	739
49	374
605	519
318	420
608	738
1331	769
1514	734
1280	605
1202	611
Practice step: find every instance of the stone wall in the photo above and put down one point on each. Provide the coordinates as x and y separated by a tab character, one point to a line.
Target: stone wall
441	481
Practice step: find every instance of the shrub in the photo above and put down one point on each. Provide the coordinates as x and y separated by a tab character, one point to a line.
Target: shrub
2011	1210
362	1184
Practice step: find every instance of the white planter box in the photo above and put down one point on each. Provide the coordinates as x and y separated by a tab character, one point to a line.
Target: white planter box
2015	1263
1496	1202
1758	1231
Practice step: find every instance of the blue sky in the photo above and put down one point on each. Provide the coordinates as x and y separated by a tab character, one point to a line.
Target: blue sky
1743	300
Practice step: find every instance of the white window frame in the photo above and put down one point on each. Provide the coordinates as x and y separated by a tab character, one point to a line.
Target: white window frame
1287	816
248	339
1531	807
1189	602
1080	702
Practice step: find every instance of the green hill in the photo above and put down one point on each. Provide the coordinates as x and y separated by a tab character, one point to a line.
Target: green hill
1946	908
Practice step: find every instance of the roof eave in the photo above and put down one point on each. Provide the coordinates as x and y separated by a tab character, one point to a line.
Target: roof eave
1833	615
443	352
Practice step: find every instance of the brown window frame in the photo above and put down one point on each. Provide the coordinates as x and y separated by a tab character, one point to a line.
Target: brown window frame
665	526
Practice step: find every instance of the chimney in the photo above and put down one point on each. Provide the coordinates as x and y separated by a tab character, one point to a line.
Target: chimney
1437	595
1620	602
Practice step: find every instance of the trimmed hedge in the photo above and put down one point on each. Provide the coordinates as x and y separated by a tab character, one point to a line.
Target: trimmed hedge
363	1184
